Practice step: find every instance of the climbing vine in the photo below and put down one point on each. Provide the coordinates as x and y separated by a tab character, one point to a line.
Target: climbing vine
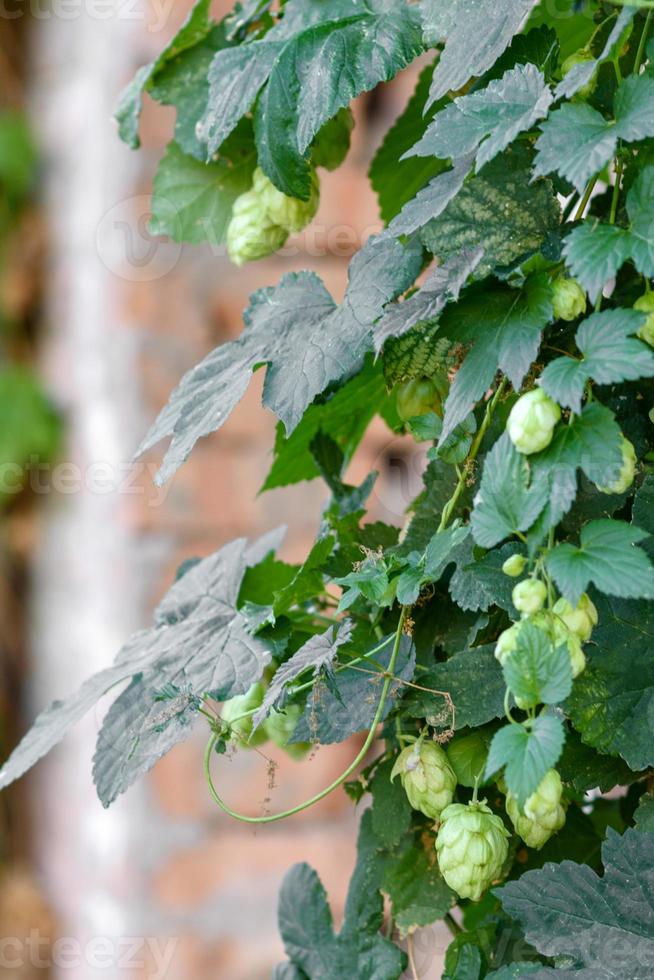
495	651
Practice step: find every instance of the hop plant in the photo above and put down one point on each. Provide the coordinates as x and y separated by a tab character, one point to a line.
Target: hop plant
252	234
645	304
280	725
529	596
580	57
232	713
532	420
543	814
627	471
580	619
472	847
568	299
427	777
558	631
418	397
514	565
289	213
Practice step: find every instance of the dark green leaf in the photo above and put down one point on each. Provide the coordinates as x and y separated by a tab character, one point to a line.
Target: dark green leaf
390	811
286	328
418	893
595	251
576	143
509	499
192	201
580	75
591	442
610	354
462	677
504	325
194	29
440	480
332	143
485	122
525	754
442	286
479	583
328	719
344	417
584	768
537	672
198	645
475	35
183	83
608	557
397	180
309	66
431	200
612	702
500	210
305	922
644	815
316	654
602	925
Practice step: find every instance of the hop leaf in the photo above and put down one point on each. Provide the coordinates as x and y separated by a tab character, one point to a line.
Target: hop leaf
472	848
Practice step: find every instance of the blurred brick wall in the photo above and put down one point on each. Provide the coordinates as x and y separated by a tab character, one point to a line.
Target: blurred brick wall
195	875
214	881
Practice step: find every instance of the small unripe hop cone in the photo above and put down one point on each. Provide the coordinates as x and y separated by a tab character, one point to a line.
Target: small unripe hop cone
543	813
427	777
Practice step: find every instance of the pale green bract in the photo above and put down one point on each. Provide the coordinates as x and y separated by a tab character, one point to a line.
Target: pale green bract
542	815
532	420
427	777
472	846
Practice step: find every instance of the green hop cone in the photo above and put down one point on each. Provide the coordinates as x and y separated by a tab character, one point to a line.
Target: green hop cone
580	57
568	299
580	619
427	777
232	710
532	420
559	634
514	565
472	847
529	596
645	304
543	813
418	397
289	213
627	471
280	725
252	234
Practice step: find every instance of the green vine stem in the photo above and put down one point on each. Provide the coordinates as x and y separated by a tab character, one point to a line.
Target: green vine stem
372	734
448	509
642	42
